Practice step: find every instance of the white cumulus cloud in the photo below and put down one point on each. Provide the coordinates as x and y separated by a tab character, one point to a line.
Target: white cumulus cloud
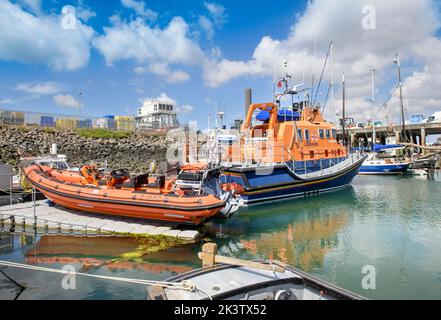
162	97
67	101
40	88
217	12
41	39
404	26
140	8
207	26
155	48
185	109
6	101
163	70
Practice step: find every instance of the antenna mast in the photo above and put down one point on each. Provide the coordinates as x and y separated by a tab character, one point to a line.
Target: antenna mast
344	110
332	83
374	138
313	67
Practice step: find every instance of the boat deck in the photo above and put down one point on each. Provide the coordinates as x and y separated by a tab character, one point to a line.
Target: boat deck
59	220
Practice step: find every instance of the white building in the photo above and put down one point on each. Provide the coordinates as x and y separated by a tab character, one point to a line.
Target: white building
156	115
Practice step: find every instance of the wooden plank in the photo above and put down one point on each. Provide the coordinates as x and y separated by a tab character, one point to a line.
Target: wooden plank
210	258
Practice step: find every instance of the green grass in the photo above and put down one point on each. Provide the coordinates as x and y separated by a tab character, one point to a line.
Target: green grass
102	134
23	128
49	130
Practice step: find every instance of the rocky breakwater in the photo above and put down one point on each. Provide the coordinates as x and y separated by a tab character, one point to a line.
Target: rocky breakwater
134	151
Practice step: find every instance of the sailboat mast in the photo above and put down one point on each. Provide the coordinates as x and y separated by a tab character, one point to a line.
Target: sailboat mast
400	84
313	69
344	110
374	136
332	83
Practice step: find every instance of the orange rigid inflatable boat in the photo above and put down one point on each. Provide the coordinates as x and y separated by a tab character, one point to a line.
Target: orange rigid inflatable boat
121	195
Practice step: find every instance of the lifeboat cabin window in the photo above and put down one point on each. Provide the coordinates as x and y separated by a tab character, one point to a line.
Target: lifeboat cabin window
334	134
328	134
321	134
306	134
299	134
311	154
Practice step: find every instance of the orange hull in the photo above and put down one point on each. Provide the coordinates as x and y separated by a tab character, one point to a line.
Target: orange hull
144	204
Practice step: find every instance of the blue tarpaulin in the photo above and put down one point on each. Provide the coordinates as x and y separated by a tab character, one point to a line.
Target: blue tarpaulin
379	147
263	115
284	114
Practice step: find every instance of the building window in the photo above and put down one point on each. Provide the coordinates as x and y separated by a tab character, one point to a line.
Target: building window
328	134
322	134
306	134
299	134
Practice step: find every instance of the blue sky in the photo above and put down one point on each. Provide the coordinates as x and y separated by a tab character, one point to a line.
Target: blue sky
217	49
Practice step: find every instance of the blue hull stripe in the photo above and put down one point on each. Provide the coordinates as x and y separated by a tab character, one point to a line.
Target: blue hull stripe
385	169
301	188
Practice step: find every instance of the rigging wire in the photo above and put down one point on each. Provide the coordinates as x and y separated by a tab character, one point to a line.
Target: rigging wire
326	100
321	75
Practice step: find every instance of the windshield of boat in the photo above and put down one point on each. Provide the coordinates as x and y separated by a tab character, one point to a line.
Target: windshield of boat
61	165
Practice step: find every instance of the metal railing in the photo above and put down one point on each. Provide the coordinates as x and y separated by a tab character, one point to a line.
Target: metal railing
250	154
9	191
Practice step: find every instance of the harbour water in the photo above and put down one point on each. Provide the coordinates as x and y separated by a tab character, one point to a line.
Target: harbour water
390	223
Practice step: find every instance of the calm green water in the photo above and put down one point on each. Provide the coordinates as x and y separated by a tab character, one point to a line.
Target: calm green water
391	223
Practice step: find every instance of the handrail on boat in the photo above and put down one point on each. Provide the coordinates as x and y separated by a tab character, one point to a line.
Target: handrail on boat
246	155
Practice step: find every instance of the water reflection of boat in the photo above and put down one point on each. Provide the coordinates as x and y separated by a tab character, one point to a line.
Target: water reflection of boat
297	233
269	218
6	244
301	244
104	252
